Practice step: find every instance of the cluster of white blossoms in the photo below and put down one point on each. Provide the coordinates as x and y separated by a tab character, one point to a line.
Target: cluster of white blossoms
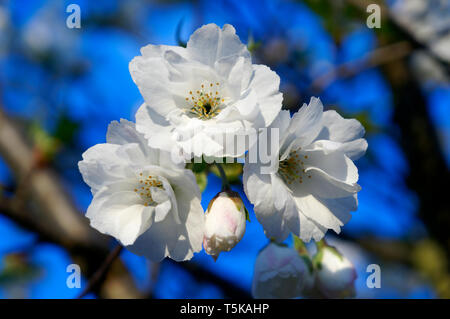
197	100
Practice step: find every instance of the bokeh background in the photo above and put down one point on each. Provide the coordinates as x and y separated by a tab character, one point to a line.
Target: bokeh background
60	87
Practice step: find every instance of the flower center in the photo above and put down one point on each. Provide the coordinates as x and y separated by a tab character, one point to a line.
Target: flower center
205	102
144	188
292	168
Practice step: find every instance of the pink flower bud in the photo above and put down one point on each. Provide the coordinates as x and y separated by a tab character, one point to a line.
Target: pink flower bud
224	223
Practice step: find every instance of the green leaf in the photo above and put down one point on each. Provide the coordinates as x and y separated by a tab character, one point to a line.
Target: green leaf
47	144
252	45
65	129
18	269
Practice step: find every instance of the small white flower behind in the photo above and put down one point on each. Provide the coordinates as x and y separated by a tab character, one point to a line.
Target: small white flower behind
336	275
280	272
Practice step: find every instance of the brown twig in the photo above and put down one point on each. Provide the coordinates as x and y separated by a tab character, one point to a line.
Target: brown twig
223	176
374	58
388	17
202	274
102	271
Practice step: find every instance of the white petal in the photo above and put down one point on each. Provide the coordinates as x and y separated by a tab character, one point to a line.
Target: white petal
161	210
332	217
168	238
259	190
282	122
124	132
304	127
266	83
305	228
101	165
355	149
155	127
281	191
156	51
332	173
347	131
209	43
247	107
160	137
236	71
192	218
338	129
119	214
151	75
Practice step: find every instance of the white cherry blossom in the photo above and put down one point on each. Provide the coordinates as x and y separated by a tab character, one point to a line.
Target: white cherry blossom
141	198
199	98
314	186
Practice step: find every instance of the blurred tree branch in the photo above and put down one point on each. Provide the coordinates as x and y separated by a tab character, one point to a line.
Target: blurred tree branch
204	275
388	17
374	58
46	209
429	176
102	271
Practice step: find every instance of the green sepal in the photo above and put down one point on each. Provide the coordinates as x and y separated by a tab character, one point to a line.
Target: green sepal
247	215
299	246
308	263
196	166
252	45
317	260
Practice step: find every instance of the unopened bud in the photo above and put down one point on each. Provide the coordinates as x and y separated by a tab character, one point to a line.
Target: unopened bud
224	223
280	272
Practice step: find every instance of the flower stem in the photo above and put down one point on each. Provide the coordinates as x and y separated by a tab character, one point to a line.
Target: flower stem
223	176
300	247
321	244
